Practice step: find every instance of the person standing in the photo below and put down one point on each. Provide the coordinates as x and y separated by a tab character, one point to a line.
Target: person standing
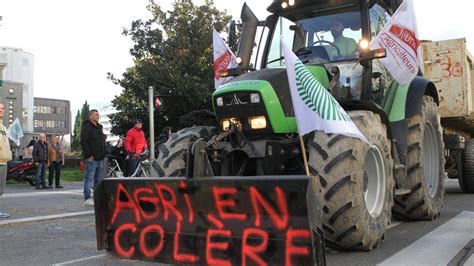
55	161
93	147
5	156
135	144
40	156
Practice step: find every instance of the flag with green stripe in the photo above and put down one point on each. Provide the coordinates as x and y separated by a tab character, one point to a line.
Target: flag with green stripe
315	108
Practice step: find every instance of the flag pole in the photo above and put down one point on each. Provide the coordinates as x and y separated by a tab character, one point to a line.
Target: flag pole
303	150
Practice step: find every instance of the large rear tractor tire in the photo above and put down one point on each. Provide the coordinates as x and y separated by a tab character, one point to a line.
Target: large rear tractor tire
466	179
173	154
356	183
425	167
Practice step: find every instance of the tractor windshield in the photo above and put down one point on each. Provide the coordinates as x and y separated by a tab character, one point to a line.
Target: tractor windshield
328	37
317	39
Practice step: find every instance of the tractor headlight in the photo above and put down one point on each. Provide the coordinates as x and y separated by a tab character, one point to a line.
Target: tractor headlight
258	122
254	98
226	122
219	101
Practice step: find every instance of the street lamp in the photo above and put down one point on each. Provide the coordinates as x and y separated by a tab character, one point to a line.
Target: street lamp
152	124
152	127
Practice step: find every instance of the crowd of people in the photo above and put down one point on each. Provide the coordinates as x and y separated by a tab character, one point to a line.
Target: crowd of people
48	154
95	149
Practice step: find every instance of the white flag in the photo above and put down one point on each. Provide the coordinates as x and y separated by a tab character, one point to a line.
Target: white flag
400	39
223	59
315	108
15	132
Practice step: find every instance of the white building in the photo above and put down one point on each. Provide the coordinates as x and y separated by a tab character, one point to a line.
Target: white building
19	69
104	120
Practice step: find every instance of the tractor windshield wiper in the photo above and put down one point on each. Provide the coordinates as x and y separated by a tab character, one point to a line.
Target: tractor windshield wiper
275	60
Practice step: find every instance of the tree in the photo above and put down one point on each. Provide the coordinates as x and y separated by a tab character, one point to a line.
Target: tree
173	53
75	143
84	113
81	117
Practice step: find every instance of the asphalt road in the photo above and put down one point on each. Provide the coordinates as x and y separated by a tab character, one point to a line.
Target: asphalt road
403	234
39	234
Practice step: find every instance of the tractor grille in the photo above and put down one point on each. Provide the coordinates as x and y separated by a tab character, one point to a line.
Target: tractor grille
238	105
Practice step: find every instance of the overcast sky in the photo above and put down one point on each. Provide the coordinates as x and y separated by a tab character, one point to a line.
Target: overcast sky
75	43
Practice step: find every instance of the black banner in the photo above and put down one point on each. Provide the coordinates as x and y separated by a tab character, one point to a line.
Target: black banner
219	221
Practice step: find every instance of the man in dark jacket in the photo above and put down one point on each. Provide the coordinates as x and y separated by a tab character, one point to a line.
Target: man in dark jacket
40	156
93	146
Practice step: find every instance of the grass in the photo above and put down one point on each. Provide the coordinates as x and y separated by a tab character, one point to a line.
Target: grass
71	174
68	174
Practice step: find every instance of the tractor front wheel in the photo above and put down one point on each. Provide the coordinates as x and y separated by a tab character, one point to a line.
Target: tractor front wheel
356	183
173	154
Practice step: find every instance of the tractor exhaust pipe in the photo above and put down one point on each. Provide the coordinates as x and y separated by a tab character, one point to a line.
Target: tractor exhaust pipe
249	30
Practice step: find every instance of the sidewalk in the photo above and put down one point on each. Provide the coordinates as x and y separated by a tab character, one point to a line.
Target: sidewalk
23	201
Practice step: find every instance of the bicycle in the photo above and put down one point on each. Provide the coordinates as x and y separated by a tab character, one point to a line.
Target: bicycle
142	167
113	168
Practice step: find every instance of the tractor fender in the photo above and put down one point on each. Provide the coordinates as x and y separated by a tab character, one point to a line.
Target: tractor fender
352	105
419	87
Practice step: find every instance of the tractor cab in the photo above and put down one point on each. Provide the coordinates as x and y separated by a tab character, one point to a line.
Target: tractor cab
334	35
329	38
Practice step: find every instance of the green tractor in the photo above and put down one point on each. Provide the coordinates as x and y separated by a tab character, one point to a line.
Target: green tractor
251	137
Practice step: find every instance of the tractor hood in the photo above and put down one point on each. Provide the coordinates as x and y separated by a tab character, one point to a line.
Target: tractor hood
272	85
278	79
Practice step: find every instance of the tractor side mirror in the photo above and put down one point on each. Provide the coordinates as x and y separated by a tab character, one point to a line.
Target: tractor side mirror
366	56
234	72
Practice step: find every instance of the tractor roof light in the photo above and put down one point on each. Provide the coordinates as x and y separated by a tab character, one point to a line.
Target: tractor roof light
284	4
291	2
364	44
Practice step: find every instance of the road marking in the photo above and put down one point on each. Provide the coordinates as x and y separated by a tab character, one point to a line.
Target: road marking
45	218
445	241
42	193
470	261
80	260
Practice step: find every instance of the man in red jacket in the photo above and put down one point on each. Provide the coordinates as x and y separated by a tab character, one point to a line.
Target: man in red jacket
135	143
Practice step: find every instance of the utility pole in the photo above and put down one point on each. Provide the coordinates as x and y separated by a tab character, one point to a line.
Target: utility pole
152	128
